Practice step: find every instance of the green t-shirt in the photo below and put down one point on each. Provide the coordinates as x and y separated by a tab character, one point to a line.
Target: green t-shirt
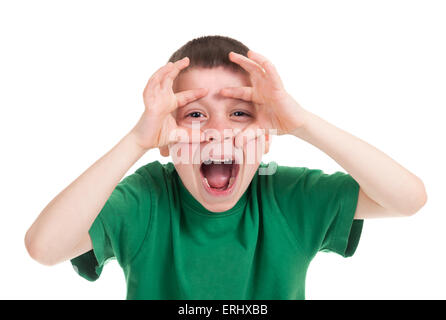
170	247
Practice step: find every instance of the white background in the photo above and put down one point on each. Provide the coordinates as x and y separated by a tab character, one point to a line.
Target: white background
71	81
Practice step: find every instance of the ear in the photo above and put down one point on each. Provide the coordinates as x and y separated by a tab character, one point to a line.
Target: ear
164	151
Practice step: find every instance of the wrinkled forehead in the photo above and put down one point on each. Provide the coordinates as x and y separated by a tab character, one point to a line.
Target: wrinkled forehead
212	78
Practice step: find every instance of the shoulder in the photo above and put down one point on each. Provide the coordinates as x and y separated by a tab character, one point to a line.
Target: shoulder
279	176
301	186
156	170
156	176
306	178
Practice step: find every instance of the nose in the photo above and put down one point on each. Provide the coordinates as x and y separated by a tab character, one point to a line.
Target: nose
219	136
212	135
218	130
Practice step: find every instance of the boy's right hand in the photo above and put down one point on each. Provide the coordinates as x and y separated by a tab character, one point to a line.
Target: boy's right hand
157	122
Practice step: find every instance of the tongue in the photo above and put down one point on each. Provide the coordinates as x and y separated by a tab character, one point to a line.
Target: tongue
218	175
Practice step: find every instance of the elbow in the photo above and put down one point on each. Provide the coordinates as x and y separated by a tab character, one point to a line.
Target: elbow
417	200
37	250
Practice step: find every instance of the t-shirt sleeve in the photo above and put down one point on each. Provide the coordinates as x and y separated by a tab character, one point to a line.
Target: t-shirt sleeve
119	229
321	209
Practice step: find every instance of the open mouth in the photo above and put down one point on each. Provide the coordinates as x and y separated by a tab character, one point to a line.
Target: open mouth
219	176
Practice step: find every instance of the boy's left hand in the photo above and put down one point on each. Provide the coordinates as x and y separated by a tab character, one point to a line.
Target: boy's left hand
275	108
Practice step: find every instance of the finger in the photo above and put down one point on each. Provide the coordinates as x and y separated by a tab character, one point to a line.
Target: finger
267	65
169	77
244	93
159	74
187	96
249	65
154	81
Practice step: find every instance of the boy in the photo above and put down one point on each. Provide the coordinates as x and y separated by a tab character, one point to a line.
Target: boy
211	226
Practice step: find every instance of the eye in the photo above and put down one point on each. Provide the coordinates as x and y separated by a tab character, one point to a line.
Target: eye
195	114
240	114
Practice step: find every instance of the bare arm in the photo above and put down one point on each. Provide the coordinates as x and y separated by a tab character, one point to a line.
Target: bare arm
387	189
61	230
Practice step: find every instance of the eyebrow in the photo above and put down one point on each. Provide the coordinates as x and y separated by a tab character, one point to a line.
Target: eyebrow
200	100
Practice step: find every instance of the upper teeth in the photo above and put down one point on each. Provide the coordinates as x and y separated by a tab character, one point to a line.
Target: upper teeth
218	161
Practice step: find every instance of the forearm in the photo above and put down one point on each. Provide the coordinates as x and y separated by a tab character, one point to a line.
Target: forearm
380	177
65	221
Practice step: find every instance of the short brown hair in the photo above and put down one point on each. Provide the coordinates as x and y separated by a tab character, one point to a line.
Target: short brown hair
211	52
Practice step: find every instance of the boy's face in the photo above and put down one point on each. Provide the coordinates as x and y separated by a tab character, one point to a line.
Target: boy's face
215	184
